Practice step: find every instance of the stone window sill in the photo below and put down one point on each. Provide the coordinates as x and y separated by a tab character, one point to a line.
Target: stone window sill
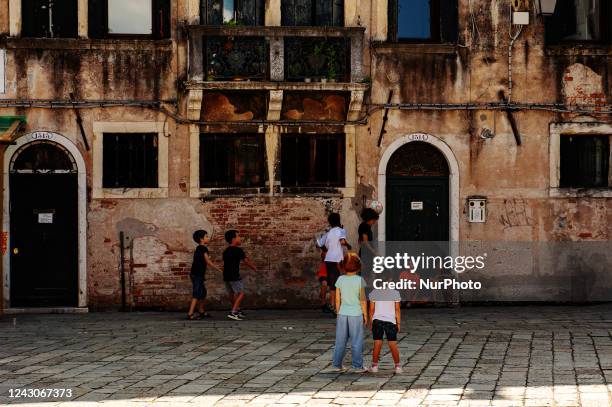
412	48
579	49
580	192
85	44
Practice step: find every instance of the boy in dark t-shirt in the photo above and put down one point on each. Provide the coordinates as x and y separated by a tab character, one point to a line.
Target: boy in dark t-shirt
198	272
369	217
232	256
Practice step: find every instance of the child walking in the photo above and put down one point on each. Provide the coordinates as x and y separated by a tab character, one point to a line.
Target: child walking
201	261
385	319
232	256
351	306
332	241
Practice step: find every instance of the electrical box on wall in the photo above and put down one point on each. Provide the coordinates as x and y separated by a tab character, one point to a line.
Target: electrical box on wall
520	18
477	209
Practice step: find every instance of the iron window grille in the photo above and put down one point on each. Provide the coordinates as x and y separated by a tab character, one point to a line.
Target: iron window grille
238	12
313	160
232	160
585	161
312	13
130	160
49	18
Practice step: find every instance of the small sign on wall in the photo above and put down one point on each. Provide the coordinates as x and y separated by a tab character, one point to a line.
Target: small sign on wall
416	205
477	209
45	218
2	71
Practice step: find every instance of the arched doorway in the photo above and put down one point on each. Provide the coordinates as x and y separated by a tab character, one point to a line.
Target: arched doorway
417	194
43	182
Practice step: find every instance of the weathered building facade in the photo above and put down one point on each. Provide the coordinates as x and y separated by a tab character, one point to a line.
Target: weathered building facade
264	116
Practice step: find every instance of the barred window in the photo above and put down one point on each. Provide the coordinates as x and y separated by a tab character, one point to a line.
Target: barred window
49	19
311	160
585	161
243	12
130	160
312	13
232	160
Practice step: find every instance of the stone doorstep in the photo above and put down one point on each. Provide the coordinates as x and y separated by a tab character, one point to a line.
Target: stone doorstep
46	310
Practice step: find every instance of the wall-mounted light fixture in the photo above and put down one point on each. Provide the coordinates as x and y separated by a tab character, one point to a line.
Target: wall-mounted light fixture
545	7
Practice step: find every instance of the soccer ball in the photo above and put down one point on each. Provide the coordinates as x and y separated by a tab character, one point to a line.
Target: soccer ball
376	205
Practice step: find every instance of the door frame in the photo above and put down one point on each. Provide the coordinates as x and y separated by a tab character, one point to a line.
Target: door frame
82	214
453	180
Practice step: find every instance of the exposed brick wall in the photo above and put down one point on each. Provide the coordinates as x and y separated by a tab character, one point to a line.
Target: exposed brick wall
277	234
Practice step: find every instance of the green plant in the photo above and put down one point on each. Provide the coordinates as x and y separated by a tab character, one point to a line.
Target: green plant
367	79
331	63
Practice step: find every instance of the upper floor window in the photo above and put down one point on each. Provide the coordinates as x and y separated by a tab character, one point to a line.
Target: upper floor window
130	160
232	160
585	161
232	12
49	18
312	160
134	18
312	13
580	21
423	20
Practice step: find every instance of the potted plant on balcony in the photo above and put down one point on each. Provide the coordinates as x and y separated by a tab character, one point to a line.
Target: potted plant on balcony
316	60
331	64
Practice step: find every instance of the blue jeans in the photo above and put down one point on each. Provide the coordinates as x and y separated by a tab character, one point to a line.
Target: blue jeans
349	327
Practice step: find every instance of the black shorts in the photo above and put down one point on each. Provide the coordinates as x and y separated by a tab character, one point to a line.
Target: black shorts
332	274
198	287
384	328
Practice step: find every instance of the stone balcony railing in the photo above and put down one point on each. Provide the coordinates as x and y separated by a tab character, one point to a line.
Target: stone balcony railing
279	61
277	54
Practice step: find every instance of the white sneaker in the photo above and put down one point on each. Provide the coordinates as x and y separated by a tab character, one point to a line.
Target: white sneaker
234	316
373	369
398	369
358	370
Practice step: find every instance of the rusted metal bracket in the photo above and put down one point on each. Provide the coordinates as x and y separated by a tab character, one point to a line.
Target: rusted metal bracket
384	122
510	116
79	121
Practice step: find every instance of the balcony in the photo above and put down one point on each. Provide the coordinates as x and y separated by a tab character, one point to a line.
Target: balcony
281	61
278	54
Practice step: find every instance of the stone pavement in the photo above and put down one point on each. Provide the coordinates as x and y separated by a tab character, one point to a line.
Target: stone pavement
470	356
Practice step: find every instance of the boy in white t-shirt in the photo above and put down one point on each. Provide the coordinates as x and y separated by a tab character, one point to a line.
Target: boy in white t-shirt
385	320
333	241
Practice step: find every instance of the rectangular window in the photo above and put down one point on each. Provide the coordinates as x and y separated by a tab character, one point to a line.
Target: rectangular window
585	161
129	160
580	21
134	18
242	12
232	160
423	21
312	13
49	18
312	160
130	17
